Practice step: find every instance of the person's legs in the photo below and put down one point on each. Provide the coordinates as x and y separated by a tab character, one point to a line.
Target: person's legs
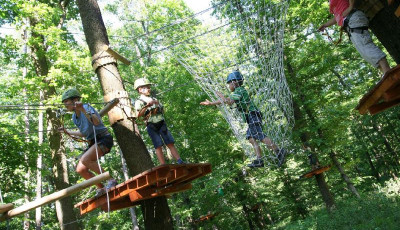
256	147
88	162
271	145
173	150
160	155
384	65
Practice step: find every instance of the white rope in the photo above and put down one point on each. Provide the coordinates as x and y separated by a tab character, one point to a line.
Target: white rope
98	163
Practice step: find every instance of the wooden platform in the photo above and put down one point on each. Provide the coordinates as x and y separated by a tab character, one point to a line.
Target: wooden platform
384	95
315	172
158	181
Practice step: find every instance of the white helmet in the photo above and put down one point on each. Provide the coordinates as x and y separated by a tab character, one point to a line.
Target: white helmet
141	82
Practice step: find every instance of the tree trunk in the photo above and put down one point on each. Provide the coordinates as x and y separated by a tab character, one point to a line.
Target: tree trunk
64	208
373	169
350	184
27	139
326	194
386	26
39	168
155	211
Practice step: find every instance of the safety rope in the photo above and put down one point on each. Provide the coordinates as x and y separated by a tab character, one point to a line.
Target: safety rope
98	162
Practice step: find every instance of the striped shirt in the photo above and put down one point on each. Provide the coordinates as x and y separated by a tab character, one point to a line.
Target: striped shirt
336	7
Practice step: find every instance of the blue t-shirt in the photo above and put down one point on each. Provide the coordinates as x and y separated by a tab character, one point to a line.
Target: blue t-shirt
85	126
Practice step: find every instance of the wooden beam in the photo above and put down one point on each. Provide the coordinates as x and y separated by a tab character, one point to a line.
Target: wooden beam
116	55
382	106
55	196
6	207
391	78
109	106
392	94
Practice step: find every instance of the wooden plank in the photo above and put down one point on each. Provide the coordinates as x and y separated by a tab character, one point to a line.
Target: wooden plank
382	106
116	55
397	12
391	77
392	94
56	196
316	172
111	104
6	207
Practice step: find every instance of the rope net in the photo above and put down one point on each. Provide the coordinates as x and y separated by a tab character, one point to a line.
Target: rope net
250	41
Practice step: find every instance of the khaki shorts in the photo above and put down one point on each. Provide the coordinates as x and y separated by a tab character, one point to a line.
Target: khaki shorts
363	41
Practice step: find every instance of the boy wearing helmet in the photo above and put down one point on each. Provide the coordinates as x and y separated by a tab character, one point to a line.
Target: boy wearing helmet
86	118
152	111
251	115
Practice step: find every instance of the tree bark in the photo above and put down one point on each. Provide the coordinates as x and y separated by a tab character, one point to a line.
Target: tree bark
156	212
349	183
386	26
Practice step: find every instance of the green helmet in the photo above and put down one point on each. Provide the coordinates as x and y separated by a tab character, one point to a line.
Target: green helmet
71	93
141	82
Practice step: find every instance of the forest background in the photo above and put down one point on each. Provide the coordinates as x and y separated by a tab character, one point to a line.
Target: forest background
326	82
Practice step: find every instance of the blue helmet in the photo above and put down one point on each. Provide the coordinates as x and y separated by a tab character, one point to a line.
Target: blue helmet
234	76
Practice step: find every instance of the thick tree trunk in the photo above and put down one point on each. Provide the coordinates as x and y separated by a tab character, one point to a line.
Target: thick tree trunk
386	26
344	176
155	211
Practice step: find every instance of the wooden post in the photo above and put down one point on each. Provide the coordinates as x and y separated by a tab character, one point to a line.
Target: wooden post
55	196
109	106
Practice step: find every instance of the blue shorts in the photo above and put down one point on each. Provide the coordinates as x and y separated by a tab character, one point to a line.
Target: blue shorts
158	133
255	127
104	141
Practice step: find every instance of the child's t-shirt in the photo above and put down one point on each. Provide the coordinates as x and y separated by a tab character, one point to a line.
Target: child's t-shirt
243	102
337	7
142	101
85	126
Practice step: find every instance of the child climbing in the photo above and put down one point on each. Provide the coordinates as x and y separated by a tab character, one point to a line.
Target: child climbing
251	115
355	23
152	111
90	126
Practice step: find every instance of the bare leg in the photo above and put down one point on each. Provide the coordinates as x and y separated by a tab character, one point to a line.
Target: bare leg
269	144
256	147
88	162
160	155
173	150
384	65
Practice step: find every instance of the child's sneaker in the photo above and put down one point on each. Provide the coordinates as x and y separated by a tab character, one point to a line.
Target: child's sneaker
258	163
180	161
100	192
111	183
281	156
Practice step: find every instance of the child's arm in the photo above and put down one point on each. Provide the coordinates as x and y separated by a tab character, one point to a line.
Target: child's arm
331	22
223	99
92	117
73	133
348	10
142	111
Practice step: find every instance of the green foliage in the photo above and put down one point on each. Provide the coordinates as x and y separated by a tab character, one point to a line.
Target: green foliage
375	211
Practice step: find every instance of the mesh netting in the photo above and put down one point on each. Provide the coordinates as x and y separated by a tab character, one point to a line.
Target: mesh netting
250	41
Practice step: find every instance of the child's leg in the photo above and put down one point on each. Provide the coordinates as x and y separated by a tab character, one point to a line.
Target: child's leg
384	65
269	144
160	155
173	150
89	161
256	147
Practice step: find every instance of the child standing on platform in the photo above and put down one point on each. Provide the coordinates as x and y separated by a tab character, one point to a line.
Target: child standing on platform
152	111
